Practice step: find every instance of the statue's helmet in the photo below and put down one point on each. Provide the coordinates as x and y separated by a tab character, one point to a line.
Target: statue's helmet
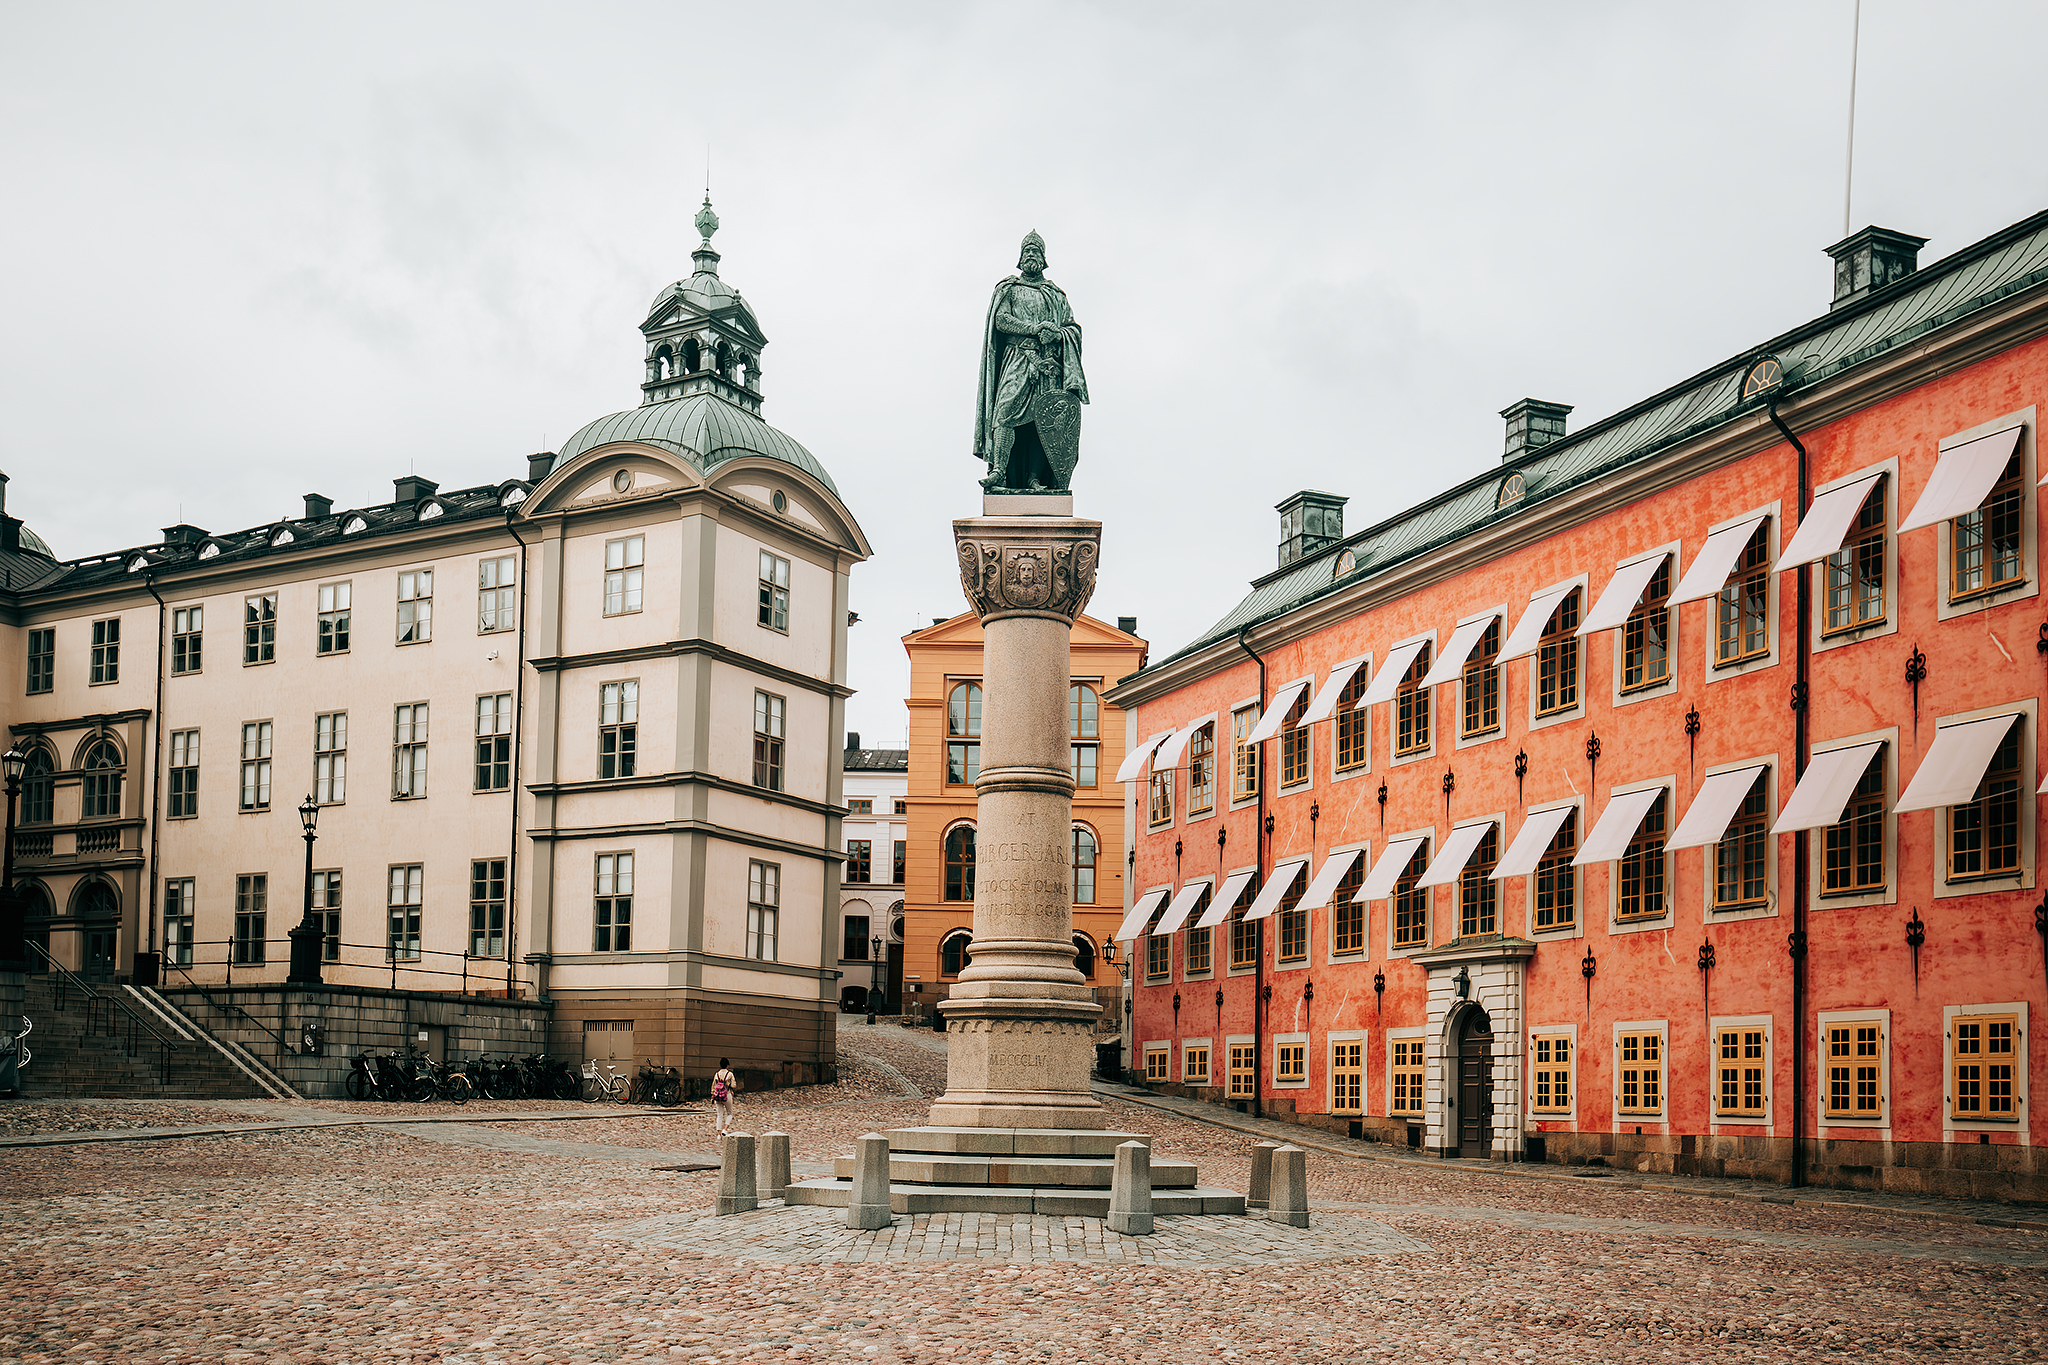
1031	239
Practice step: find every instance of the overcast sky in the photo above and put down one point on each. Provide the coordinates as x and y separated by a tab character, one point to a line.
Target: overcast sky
253	252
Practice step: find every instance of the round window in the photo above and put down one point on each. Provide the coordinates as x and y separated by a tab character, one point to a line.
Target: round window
622	480
1511	490
1346	562
780	502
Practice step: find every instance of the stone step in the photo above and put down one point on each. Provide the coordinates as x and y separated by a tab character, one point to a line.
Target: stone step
1011	1141
922	1168
1061	1201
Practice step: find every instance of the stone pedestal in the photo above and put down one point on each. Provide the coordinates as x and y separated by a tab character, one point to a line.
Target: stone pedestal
1022	1020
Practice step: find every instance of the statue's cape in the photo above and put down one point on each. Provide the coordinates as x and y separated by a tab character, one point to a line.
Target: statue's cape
991	367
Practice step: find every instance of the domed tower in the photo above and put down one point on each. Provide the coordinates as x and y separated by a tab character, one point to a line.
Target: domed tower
701	336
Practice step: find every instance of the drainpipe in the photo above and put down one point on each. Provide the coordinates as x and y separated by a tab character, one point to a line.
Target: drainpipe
518	733
1802	700
156	776
1258	861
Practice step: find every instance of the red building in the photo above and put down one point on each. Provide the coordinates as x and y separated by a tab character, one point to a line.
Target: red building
1664	797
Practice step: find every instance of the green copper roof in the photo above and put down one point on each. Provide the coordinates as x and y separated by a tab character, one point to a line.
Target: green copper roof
703	429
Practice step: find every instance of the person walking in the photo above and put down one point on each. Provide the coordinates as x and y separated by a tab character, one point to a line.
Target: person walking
724	1085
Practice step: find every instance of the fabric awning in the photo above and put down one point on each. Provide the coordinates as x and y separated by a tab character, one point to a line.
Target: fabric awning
1387	681
1706	820
1141	914
1532	841
1451	662
1276	888
1955	763
1169	754
1715	561
1134	761
1616	826
1962	478
1455	853
1326	700
1830	780
1379	883
1528	631
1620	596
1827	522
1225	899
1276	713
1325	885
1180	907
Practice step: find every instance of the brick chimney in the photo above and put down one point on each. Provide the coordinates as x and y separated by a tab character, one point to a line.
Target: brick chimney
1532	424
1872	259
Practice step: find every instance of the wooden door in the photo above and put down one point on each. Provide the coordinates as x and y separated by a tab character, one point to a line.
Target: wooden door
1475	1084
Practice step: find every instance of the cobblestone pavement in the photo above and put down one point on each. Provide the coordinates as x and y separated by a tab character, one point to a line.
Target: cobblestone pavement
370	1243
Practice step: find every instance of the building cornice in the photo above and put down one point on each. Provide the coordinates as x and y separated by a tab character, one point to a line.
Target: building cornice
102	721
559	834
670	649
685	779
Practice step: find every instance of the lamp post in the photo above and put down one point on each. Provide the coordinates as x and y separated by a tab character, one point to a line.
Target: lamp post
12	931
306	939
874	976
1123	983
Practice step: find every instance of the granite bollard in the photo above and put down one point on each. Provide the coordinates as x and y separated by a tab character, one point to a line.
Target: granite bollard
1259	1193
736	1191
1289	1190
771	1167
869	1206
1130	1191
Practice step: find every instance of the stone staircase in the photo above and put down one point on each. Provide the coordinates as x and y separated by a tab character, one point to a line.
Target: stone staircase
90	1045
1013	1170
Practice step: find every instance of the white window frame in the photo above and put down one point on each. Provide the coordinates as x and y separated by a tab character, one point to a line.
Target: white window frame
1533	658
1662	1118
1329	912
1570	1113
422	627
1503	623
1618	636
1236	1040
1647	924
1778	849
497	592
2020	1122
2030	531
1817	858
1163	1049
1388	950
1393	705
1336	774
1716	1119
1714	671
631	573
1883	1019
1404	1035
1226	738
1308	769
1217	797
1280	1040
1578	929
2023	880
1817	572
1188	1045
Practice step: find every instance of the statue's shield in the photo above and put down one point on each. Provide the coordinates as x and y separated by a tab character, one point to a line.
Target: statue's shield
1058	415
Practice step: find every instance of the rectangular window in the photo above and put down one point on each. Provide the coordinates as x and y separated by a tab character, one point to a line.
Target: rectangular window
1290	1063
42	660
764	909
497	595
409	752
618	728
860	860
1741	858
252	918
106	652
1244	939
1293	920
1351	729
327	912
1742	613
963	733
1557	881
774	606
623	570
1347	915
1198	951
1557	659
1294	744
1550	1076
178	912
1158	956
494	742
1646	635
1639	889
1985	1051
415	606
186	640
1984	833
768	724
259	629
1411	902
256	757
330	758
402	911
860	805
1159	804
1985	545
1202	771
902	808
1852	852
334	619
1081	761
1481	711
1244	771
896	864
614	904
1742	1073
1855	1071
1411	708
1194	1064
1855	573
1243	1061
1158	1062
854	938
1641	1073
1404	1082
1347	1078
1478	892
184	799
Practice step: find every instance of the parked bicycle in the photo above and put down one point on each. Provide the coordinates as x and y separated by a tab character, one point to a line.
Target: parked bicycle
613	1085
662	1085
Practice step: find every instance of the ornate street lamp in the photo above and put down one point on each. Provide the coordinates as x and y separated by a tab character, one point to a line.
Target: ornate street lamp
12	930
306	939
874	977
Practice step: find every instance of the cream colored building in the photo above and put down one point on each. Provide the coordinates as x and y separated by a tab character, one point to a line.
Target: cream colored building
574	734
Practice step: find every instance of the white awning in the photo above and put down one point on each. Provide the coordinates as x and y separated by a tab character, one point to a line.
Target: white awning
1387	681
1962	478
1830	780
1276	713
1827	522
1276	888
1706	820
1464	640
1134	761
1141	914
1178	910
1326	700
1620	596
1379	883
1528	631
1616	826
1715	561
1170	752
1955	763
1325	885
1221	904
1532	841
1455	853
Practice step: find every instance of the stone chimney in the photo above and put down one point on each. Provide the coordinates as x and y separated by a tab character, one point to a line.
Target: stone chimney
318	507
1309	521
412	488
1872	259
1532	424
184	533
538	465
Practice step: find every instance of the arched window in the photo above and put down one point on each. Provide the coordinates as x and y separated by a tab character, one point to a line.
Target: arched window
953	952
960	863
664	363
693	356
102	782
1084	957
724	361
38	785
963	734
1083	711
1084	865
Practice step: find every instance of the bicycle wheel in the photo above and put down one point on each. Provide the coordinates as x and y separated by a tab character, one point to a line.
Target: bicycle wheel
420	1089
669	1094
568	1085
620	1091
455	1088
357	1086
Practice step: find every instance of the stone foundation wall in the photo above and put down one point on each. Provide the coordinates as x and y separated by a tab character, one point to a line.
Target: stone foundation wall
772	1045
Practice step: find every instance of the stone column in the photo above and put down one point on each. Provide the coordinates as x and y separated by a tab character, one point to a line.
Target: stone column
1022	1019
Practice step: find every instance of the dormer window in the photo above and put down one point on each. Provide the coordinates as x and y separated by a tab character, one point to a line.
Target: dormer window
209	550
1511	490
430	510
138	564
1346	562
512	496
353	525
282	537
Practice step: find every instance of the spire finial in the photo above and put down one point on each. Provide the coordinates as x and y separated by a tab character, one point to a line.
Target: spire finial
707	221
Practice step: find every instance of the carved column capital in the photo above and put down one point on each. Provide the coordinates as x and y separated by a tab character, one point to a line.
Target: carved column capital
1028	566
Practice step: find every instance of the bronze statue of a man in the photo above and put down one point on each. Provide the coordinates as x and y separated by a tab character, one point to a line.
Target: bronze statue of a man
1027	426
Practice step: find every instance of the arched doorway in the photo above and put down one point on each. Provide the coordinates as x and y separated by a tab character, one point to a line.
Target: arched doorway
98	908
1472	1046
